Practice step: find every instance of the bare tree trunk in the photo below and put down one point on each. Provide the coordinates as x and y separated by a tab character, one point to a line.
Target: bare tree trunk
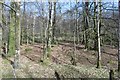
98	33
45	52
22	27
76	23
86	25
54	22
50	26
4	31
119	42
3	25
0	27
74	49
111	75
48	34
33	31
1	36
82	26
17	34
43	31
27	40
11	39
43	23
113	9
95	28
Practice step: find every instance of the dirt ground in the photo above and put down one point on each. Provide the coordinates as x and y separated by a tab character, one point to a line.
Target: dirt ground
59	64
61	54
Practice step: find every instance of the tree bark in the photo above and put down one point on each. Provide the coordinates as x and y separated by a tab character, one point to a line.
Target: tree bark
54	22
17	36
33	31
95	28
48	33
119	42
27	34
98	35
50	28
0	27
11	40
22	27
76	23
86	24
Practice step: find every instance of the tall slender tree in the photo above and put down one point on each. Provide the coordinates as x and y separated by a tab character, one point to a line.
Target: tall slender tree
48	33
54	22
33	29
0	26
119	42
49	30
11	39
95	28
22	27
98	34
76	23
27	30
17	35
86	24
43	31
4	31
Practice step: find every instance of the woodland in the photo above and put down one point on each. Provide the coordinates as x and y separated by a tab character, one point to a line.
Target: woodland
60	39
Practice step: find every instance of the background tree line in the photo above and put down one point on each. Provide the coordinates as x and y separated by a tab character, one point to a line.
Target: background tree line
93	24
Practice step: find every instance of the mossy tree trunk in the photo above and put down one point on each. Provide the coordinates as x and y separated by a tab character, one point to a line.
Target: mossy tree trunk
3	24
4	31
0	27
17	35
14	32
11	40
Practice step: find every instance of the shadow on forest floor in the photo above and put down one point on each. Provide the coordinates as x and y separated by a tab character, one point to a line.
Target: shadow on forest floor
4	57
115	55
72	45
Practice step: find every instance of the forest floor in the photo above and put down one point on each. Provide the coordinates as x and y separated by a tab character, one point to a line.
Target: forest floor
59	64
